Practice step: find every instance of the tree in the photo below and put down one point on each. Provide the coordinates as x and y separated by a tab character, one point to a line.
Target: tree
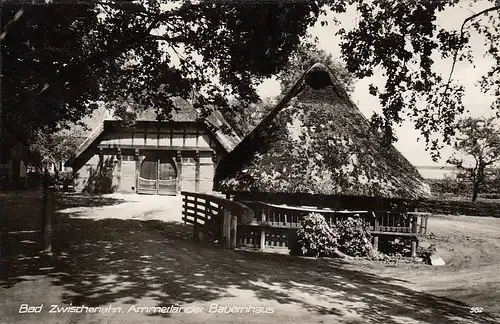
477	150
54	148
304	56
61	58
244	116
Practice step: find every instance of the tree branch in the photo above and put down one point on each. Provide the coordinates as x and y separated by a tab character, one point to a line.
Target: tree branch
455	55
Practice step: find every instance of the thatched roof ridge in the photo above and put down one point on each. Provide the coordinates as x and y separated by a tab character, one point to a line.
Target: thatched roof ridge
316	141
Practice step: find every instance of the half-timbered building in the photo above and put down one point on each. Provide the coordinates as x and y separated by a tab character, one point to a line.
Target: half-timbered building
152	156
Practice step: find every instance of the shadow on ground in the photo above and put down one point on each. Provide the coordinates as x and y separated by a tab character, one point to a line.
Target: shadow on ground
21	214
72	200
101	262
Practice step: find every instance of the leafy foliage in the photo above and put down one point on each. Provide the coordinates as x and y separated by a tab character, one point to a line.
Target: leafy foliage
244	116
59	59
455	185
426	253
44	80
354	239
56	147
396	247
477	148
400	38
316	238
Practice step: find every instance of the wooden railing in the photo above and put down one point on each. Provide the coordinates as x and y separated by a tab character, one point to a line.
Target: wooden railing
214	217
262	225
149	186
275	226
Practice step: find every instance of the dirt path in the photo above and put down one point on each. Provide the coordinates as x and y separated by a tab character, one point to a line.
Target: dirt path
471	248
125	263
130	206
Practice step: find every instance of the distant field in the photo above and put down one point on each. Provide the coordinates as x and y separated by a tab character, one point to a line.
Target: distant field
461	206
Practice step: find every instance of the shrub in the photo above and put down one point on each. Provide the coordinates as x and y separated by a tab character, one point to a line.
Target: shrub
65	179
395	246
426	253
315	238
354	239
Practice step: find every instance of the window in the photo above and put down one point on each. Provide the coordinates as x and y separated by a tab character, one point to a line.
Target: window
188	160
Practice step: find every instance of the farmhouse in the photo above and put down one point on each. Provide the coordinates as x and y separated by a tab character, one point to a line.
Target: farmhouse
316	148
153	156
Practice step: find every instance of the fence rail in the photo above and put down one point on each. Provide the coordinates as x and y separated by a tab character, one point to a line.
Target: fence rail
214	217
275	225
159	186
262	225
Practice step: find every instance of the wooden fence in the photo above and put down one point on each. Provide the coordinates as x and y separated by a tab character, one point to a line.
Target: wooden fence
275	226
261	225
214	218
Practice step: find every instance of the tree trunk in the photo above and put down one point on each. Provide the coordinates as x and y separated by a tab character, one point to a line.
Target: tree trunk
479	180
47	213
475	191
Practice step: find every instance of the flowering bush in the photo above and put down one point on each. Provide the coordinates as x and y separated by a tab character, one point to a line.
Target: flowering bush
354	239
315	238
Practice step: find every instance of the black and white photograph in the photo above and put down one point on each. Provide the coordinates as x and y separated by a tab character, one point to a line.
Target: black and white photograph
249	161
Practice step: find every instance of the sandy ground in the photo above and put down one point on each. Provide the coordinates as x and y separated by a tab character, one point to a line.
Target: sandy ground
470	247
128	251
132	206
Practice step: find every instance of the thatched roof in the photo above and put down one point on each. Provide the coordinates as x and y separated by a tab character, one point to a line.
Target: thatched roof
184	113
316	141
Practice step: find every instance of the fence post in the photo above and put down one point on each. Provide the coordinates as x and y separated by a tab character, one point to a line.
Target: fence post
195	224
233	231
414	224
226	229
263	231
208	219
48	217
376	226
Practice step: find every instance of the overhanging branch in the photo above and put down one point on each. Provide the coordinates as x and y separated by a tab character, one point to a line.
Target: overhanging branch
455	55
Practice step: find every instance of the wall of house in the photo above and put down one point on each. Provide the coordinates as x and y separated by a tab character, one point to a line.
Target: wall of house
192	151
144	137
206	173
127	175
100	174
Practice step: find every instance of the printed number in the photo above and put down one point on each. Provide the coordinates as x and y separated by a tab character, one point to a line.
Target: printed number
476	310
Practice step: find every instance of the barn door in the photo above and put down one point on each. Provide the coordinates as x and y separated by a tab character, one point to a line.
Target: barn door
167	177
157	176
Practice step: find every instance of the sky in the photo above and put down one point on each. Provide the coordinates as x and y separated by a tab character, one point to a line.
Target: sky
475	101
